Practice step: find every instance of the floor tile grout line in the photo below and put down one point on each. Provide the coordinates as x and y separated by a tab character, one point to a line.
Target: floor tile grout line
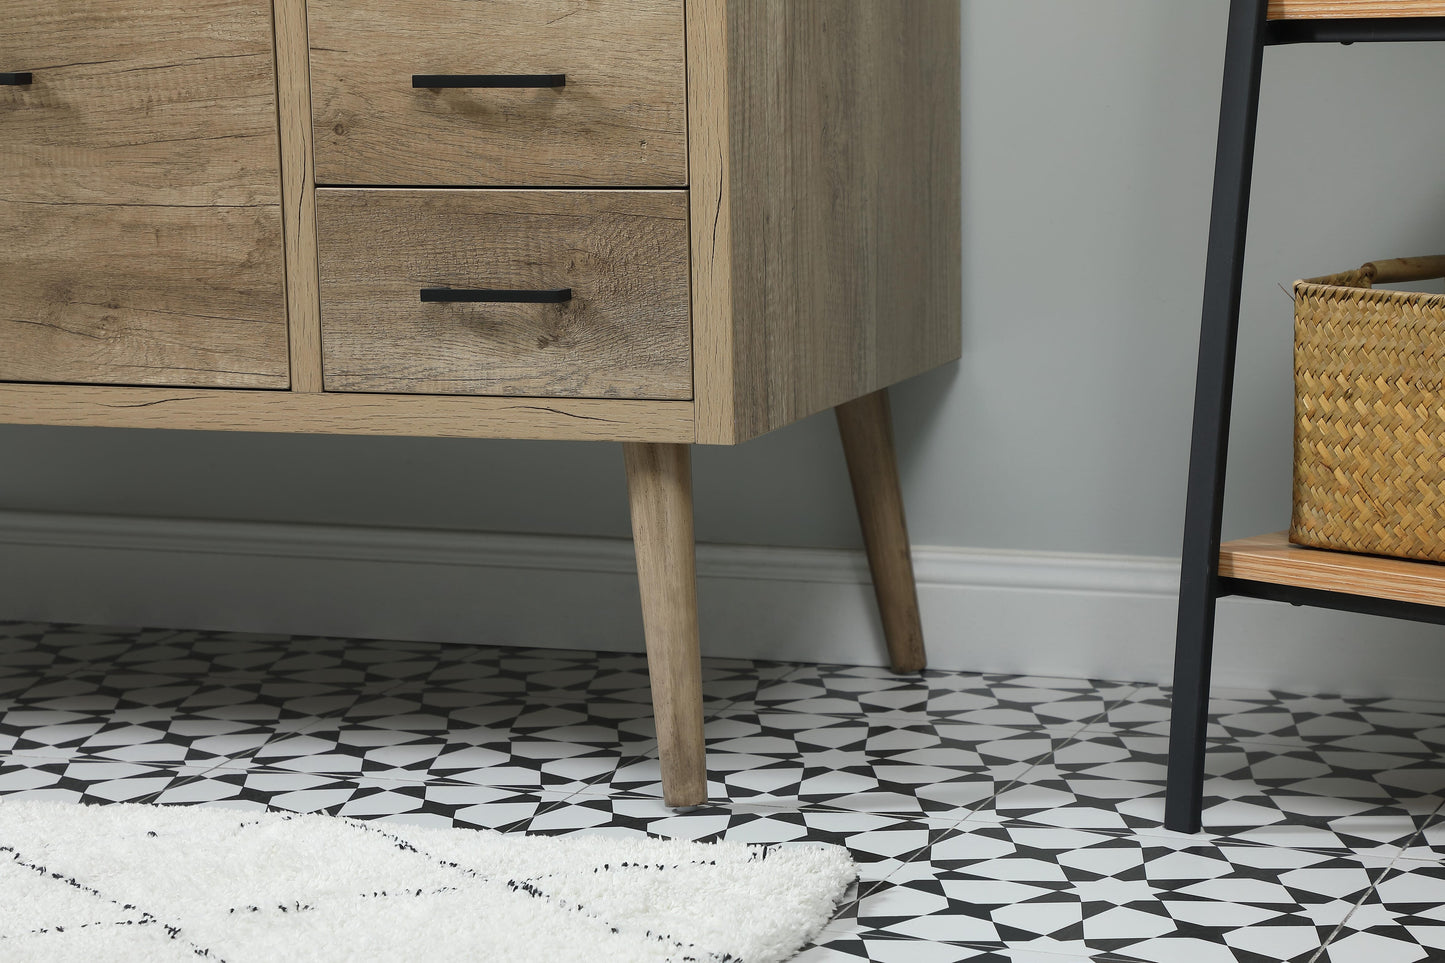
1034	764
197	777
1374	886
1339	927
1134	689
955	826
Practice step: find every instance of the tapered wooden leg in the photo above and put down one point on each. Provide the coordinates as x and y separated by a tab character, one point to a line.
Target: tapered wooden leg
659	485
867	429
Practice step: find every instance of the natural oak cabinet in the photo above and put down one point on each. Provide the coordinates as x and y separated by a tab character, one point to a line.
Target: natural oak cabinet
653	222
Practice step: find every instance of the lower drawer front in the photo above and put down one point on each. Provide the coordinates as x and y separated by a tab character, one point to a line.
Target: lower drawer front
576	294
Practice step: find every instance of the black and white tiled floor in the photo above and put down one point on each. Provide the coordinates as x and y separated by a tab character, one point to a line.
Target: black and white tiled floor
995	817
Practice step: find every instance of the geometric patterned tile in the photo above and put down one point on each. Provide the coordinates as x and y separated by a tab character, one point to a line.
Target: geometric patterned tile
38	646
358	663
880	843
1302	797
1429	844
1402	919
418	734
938	695
81	780
61	651
901	951
155	719
1282	718
942	770
994	817
279	705
1081	893
362	797
623	676
853	949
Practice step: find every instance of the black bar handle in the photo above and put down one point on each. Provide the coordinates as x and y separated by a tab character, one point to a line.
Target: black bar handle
434	81
16	80
483	295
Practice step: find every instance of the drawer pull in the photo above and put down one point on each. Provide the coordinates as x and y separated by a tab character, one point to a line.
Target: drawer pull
433	81
15	80
478	296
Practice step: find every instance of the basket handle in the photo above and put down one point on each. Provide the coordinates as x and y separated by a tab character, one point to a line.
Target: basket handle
1400	269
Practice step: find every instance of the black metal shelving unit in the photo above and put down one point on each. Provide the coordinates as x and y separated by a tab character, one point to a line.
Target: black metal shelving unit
1201	585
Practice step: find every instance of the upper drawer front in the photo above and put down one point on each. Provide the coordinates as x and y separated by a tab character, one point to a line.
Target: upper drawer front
607	272
163	102
140	209
620	119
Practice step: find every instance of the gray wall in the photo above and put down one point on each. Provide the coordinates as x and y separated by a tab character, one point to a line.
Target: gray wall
1089	139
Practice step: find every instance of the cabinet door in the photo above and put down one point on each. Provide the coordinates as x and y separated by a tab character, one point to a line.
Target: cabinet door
140	218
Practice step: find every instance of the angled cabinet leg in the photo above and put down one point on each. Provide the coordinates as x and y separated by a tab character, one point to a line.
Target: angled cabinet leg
867	429
659	485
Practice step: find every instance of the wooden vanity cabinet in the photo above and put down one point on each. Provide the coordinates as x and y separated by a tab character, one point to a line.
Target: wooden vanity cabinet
654	222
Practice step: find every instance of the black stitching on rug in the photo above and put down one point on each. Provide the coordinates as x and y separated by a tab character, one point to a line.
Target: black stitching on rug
173	931
537	893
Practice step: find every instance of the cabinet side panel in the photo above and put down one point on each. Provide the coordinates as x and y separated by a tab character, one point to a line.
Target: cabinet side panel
843	196
710	225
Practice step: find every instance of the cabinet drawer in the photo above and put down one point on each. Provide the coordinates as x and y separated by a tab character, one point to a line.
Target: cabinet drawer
140	213
579	294
619	120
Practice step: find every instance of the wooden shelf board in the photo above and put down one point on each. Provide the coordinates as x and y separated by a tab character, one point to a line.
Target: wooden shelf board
1353	9
1271	558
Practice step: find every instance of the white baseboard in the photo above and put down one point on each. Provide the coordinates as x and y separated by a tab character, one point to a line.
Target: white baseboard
1095	616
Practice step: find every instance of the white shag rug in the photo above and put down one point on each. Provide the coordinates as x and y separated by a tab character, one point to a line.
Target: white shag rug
168	883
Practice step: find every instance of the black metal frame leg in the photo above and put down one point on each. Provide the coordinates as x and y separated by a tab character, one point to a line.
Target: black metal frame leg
1214	387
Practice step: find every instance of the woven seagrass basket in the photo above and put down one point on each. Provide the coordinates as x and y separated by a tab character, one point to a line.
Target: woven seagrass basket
1369	465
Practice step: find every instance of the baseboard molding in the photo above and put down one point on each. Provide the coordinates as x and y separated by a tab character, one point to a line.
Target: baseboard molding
1097	616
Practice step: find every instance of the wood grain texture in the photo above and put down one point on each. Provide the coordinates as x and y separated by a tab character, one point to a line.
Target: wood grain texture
826	200
659	486
715	383
340	414
1352	9
298	190
624	334
1271	558
139	211
620	120
866	427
